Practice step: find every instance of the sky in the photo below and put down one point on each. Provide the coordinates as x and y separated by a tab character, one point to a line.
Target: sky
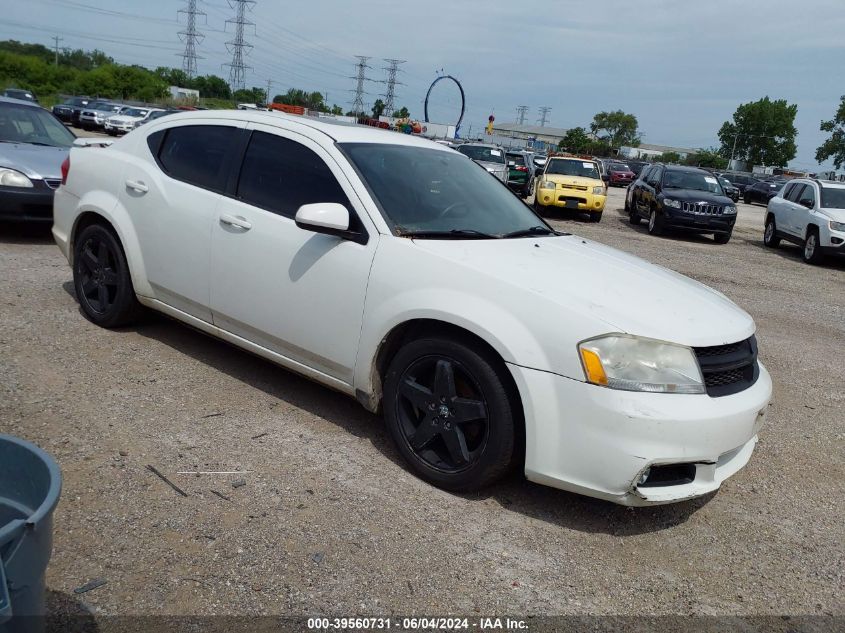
681	66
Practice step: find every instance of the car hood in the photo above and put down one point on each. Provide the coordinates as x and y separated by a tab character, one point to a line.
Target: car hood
122	118
578	181
625	293
35	161
694	195
493	166
837	215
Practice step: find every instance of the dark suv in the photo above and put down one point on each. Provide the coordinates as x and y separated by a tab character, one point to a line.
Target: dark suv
685	198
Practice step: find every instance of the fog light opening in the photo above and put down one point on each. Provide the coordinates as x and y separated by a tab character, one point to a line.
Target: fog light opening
667	475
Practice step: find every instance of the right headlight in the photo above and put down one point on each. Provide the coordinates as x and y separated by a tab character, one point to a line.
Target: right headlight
13	178
597	191
837	226
546	184
675	204
631	363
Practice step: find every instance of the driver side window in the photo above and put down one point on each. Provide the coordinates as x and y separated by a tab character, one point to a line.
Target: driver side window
808	197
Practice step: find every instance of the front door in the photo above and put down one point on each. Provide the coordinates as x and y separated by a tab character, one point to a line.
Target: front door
297	293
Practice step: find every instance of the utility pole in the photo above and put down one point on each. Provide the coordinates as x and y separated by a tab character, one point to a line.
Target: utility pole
191	37
237	46
360	77
521	111
544	116
269	99
57	39
390	96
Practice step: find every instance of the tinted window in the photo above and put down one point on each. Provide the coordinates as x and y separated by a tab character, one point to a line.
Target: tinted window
197	154
281	175
808	196
482	153
516	159
696	181
793	192
655	175
833	198
577	168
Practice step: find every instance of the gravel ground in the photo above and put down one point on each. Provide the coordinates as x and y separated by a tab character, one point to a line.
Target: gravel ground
330	522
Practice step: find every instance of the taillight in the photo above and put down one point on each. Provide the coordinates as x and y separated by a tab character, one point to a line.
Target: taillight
65	169
522	168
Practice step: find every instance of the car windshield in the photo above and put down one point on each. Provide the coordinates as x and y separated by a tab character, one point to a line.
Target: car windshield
567	167
479	152
691	180
725	182
618	167
833	197
22	124
135	112
439	193
156	115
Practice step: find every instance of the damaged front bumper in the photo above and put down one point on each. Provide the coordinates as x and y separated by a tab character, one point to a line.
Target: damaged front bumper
636	448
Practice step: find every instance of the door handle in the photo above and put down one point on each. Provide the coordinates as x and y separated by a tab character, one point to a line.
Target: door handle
138	186
235	221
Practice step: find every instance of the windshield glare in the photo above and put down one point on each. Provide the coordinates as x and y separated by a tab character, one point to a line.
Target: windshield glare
618	167
567	167
20	124
135	112
486	154
692	180
833	198
421	189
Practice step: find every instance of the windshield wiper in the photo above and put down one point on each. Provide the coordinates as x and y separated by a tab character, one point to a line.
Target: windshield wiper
456	234
534	230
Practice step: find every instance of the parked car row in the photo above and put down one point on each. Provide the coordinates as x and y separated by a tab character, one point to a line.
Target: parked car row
107	116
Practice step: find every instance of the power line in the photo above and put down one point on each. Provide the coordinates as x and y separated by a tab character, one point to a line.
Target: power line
544	116
191	37
361	77
237	67
390	96
521	111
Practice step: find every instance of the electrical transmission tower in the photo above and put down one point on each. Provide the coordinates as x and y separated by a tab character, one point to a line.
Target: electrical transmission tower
237	46
390	95
361	77
191	37
521	111
544	115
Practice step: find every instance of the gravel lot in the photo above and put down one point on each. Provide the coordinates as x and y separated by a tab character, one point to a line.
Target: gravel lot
330	522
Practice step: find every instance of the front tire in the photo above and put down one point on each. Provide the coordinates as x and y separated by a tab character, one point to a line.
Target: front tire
448	409
101	278
595	216
770	234
722	238
655	223
812	252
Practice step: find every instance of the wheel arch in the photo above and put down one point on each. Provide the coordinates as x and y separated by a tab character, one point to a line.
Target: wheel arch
812	227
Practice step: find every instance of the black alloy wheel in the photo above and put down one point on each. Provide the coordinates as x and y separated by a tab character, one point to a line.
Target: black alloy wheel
449	412
101	278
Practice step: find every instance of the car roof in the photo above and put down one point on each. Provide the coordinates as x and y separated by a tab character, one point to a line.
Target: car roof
685	168
339	131
22	102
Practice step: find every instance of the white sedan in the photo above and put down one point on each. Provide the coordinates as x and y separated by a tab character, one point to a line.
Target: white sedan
396	271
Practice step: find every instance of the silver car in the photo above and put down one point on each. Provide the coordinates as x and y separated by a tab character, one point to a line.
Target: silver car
33	146
491	157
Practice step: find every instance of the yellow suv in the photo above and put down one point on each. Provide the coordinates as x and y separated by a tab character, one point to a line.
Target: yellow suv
573	183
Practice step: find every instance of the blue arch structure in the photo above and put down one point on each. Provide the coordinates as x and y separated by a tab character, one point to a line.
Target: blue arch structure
463	100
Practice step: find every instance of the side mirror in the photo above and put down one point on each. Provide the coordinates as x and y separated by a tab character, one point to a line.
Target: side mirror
806	202
329	218
605	178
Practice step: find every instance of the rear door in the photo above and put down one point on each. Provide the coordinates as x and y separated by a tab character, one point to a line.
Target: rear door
170	190
787	210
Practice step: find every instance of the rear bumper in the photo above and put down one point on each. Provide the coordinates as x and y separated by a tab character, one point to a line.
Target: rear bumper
29	205
601	442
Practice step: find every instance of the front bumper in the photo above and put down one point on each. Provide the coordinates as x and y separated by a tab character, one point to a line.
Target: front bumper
599	442
678	219
568	198
30	205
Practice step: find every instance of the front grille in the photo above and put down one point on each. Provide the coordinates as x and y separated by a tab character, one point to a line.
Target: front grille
699	208
53	183
578	187
728	369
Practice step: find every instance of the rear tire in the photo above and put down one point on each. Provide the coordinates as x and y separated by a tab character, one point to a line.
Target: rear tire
456	396
770	236
101	278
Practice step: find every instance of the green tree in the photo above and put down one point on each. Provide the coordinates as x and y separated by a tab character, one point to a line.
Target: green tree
834	146
402	113
761	133
378	108
707	158
211	87
250	95
310	100
669	158
576	140
336	109
616	128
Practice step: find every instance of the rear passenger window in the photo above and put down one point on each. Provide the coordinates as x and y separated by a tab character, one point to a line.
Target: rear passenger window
198	154
281	175
793	195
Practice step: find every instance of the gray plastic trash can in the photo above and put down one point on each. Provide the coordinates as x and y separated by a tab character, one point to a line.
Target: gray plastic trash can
30	484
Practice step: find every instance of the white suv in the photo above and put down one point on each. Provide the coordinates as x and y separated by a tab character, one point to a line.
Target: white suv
810	213
394	270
